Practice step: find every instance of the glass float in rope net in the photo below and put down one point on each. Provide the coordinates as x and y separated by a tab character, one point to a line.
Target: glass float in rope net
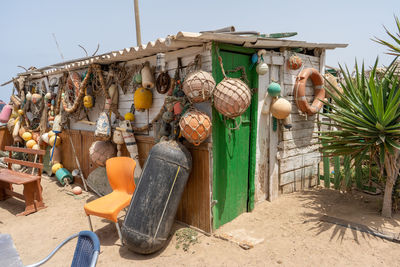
195	126
232	97
198	86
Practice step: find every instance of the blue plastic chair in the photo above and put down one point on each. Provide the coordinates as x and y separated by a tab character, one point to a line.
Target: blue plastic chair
86	252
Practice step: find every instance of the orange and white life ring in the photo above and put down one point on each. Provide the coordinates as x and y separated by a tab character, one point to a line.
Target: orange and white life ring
300	91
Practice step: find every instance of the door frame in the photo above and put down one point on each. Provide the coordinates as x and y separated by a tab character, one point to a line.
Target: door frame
253	112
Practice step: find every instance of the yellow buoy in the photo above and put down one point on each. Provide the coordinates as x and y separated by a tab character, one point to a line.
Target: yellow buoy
56	167
26	136
129	116
51	140
30	143
142	99
88	101
51	133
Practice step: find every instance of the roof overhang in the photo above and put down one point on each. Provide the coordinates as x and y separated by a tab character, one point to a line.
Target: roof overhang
175	42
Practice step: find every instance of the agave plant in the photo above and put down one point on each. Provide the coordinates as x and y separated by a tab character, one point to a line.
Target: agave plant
394	48
367	116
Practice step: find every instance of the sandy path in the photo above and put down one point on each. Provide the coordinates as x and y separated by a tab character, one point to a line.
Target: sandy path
290	227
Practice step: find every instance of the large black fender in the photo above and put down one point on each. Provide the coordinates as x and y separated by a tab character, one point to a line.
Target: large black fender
155	202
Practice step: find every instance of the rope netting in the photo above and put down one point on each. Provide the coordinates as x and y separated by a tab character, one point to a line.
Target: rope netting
195	126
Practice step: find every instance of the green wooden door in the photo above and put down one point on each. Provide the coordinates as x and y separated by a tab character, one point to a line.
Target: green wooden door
231	149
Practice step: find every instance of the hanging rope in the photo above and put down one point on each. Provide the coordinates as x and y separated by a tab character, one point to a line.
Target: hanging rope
195	64
78	87
122	75
222	96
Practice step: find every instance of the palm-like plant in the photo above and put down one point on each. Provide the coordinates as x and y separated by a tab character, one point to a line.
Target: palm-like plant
367	116
394	48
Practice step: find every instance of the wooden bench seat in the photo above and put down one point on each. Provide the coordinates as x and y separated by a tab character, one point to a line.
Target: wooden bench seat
32	193
18	177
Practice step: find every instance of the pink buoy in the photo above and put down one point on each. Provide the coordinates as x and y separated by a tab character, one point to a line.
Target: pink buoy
6	113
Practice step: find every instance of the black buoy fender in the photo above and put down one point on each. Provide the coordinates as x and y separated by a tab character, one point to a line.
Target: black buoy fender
155	202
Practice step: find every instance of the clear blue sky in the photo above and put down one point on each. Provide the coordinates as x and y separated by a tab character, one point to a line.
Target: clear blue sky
26	26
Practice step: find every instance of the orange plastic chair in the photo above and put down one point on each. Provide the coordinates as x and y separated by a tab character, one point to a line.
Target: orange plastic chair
120	176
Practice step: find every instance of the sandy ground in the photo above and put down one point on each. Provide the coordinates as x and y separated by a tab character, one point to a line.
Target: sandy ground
289	229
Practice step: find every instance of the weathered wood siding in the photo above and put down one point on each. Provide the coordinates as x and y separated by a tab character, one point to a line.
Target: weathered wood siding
194	208
195	204
287	160
298	150
125	100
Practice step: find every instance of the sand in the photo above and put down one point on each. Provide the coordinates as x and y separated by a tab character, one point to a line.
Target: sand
286	232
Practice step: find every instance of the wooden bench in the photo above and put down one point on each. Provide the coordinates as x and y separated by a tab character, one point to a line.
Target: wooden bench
32	193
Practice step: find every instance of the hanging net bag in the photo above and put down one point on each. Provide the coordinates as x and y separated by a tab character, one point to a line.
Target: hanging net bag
231	96
195	126
198	85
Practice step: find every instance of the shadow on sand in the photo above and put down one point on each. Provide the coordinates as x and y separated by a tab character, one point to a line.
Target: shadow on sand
354	207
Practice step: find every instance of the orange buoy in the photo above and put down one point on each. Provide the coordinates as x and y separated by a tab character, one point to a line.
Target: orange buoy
195	126
300	91
294	62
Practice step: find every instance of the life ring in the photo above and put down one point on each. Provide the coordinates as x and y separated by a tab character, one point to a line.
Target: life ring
300	91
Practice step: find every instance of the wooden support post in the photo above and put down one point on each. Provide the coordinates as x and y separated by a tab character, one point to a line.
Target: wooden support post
273	185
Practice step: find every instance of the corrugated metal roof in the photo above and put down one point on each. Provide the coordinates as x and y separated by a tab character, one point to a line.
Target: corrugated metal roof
176	42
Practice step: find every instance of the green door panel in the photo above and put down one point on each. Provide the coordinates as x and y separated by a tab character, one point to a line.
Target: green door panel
231	148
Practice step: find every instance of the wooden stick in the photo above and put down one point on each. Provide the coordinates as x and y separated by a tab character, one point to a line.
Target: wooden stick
34	161
77	163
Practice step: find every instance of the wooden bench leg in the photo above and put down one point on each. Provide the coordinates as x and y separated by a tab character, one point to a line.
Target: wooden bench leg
38	196
32	193
3	187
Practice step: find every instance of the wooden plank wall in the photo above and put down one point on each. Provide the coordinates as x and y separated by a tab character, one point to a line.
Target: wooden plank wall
194	208
125	100
298	150
195	205
187	55
287	160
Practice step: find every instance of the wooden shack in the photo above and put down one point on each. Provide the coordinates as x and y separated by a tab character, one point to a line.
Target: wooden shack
235	167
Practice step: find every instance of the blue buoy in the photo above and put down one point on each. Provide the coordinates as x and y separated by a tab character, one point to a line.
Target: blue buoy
254	60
